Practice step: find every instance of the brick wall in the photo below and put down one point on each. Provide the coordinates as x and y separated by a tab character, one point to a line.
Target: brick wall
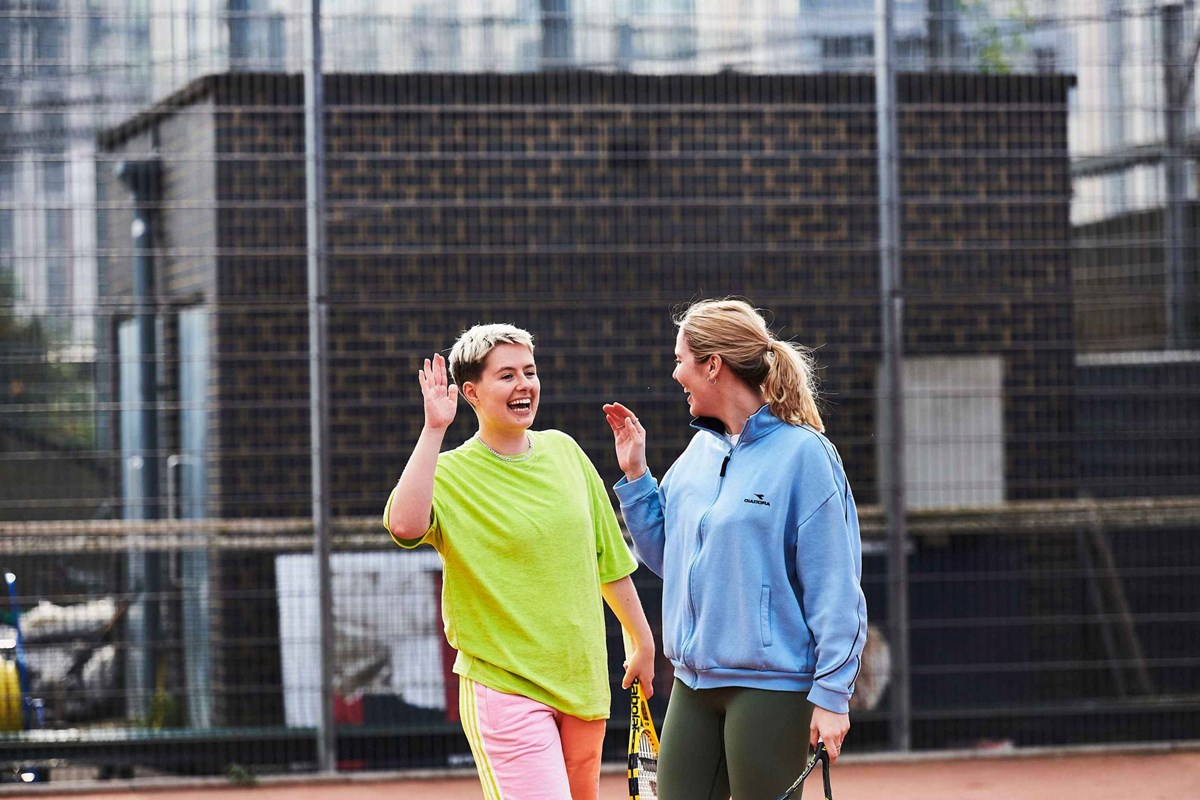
588	207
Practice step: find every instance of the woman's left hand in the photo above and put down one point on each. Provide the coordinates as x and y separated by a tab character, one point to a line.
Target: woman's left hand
629	438
640	665
830	728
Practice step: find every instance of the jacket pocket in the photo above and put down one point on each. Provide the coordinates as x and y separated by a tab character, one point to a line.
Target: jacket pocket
764	616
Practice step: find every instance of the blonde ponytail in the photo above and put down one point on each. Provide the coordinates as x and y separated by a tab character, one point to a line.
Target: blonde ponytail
781	371
788	388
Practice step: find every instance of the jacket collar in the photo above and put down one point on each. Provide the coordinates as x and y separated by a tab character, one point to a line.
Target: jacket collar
761	423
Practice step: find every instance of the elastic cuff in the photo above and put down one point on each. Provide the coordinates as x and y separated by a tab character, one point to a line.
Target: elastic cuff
630	492
836	702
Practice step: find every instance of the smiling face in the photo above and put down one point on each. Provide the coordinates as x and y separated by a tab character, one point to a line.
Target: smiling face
693	377
505	397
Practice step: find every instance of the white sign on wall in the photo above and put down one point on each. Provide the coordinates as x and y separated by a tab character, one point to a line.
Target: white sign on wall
388	631
954	431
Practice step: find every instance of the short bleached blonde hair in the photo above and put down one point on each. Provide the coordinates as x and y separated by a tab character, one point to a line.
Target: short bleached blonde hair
469	353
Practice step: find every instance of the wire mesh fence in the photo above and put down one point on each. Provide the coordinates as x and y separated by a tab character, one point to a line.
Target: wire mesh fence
583	170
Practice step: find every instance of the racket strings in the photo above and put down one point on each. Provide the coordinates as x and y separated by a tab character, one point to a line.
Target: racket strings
647	768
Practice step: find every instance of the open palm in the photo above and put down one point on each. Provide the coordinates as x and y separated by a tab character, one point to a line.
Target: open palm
441	396
629	439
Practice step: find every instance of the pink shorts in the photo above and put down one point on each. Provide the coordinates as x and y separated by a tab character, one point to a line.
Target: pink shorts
526	750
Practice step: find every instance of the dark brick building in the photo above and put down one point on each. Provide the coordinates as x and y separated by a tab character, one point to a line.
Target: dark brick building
586	208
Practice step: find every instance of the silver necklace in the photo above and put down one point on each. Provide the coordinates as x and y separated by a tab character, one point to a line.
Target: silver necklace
510	459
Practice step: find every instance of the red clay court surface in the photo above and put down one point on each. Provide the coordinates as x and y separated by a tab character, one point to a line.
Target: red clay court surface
1151	775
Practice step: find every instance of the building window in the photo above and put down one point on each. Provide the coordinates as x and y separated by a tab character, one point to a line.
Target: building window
7	59
7	246
8	180
58	229
7	231
655	32
54	179
557	46
49	34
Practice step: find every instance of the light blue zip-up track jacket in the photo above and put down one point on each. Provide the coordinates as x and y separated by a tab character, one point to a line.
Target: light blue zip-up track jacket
759	551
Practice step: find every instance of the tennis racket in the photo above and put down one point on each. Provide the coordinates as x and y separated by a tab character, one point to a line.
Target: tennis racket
820	755
643	748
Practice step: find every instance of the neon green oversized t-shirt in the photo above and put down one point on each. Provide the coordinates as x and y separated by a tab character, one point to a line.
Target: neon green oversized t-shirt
525	546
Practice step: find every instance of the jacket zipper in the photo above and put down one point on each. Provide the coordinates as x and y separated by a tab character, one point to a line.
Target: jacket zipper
696	557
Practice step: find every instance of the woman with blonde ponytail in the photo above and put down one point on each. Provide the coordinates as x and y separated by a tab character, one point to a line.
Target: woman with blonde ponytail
754	532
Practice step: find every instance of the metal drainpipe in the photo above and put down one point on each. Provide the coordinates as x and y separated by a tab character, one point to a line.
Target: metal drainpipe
144	578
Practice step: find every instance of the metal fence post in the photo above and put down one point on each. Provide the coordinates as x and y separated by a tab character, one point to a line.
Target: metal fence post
891	300
314	111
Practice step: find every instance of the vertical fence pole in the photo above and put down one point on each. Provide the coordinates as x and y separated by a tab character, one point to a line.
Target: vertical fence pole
314	158
891	299
1117	201
1180	281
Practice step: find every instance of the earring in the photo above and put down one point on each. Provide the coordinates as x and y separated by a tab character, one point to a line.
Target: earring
712	380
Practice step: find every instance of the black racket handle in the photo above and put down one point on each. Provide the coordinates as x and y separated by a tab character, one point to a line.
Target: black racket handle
821	755
825	773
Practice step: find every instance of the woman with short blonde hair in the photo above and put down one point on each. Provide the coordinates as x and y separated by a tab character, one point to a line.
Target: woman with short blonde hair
531	550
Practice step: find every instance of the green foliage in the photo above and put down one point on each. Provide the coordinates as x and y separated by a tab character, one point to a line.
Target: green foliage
163	710
1000	40
240	776
41	392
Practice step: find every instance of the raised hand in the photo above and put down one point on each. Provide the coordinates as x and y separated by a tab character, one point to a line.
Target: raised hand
441	396
629	439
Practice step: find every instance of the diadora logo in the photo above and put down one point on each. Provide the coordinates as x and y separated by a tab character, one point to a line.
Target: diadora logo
757	500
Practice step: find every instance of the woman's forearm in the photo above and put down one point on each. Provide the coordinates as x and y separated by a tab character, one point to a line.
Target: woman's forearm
412	499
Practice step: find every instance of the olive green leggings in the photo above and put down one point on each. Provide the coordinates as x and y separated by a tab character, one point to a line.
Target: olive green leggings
750	742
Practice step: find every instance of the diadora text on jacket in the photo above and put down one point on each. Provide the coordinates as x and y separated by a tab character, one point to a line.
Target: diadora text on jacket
758	547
